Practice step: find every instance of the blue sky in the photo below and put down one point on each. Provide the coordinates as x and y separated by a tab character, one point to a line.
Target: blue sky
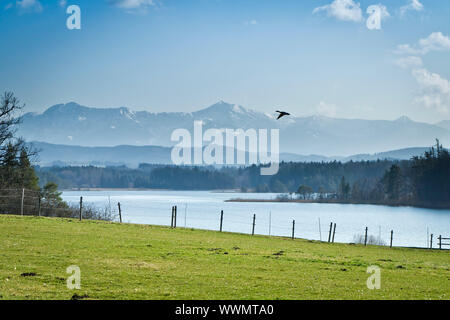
310	56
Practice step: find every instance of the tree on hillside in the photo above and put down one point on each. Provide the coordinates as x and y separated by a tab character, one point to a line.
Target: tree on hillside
344	189
278	186
431	176
16	170
27	174
393	182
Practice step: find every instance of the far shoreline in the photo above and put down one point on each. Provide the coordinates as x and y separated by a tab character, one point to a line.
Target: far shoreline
406	205
234	191
148	189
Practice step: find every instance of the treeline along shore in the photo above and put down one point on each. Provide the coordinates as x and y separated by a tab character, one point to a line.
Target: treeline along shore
422	181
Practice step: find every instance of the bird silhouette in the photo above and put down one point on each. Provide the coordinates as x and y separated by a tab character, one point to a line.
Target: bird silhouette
282	114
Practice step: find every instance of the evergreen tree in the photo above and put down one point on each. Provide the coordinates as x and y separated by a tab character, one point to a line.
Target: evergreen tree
28	177
51	197
344	189
392	181
431	177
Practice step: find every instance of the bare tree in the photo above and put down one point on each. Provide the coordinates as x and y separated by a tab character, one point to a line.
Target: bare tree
10	109
9	119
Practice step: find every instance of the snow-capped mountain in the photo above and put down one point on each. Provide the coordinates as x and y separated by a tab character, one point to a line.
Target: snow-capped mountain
73	124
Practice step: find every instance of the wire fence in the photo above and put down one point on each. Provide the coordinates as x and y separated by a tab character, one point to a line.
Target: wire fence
27	202
31	203
281	225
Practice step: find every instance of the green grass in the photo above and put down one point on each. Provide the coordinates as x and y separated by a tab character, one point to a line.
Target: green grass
146	262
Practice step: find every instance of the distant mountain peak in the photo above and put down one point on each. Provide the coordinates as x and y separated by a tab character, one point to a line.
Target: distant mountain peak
404	119
222	105
222	108
63	107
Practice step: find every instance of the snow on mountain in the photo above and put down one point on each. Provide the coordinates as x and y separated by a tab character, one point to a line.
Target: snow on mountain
73	124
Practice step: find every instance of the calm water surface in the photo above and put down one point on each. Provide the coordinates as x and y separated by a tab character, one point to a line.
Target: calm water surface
201	209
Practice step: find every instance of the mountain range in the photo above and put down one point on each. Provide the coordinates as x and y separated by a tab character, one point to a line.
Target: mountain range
74	125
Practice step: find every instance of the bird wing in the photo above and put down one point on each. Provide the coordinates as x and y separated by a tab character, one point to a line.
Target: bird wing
280	116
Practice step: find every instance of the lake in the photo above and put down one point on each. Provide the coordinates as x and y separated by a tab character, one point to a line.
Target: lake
201	210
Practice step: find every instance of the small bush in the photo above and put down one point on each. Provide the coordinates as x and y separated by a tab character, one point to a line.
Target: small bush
371	240
283	197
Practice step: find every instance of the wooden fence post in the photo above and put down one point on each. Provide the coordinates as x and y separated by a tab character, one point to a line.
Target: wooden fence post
254	221
120	212
21	203
221	220
175	218
431	241
334	232
39	206
440	242
320	231
185	216
365	237
270	223
392	237
293	229
329	233
171	218
81	208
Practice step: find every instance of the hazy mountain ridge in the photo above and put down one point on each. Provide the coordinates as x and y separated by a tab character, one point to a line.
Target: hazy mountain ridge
72	124
444	124
132	156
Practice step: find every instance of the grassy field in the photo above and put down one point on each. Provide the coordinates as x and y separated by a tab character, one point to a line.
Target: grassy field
146	262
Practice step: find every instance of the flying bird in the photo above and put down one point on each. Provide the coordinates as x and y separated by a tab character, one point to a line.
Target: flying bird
282	114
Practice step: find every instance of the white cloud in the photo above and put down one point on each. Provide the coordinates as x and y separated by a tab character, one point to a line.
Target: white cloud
413	5
432	80
409	61
435	90
326	109
132	4
434	42
406	49
345	10
29	5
